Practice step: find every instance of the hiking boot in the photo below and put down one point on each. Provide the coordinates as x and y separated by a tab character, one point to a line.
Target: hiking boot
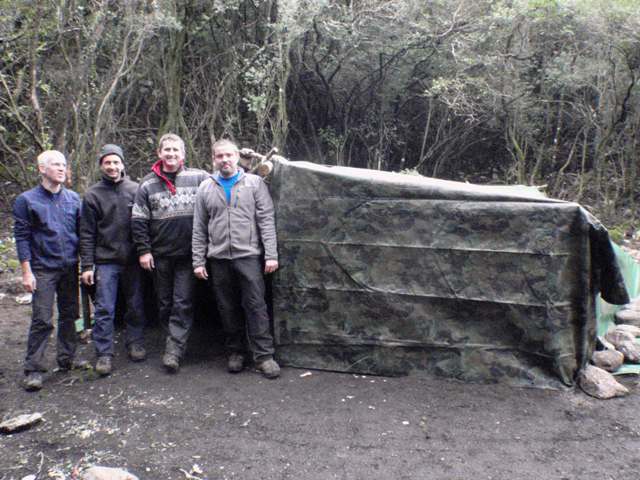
32	382
137	353
171	362
269	368
235	363
75	364
103	365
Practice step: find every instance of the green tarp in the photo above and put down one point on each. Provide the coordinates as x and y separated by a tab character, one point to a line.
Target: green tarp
385	273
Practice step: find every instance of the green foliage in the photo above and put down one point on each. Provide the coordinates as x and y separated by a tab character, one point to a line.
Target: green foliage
617	233
8	259
534	91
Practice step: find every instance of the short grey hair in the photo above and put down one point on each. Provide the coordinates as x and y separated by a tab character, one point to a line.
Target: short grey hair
172	137
48	156
224	143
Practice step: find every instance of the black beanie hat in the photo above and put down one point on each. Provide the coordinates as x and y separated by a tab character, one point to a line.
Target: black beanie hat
110	149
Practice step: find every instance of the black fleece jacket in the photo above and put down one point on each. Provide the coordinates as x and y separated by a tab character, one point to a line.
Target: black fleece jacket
105	224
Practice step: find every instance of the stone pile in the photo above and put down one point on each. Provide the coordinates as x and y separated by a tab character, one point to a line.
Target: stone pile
619	346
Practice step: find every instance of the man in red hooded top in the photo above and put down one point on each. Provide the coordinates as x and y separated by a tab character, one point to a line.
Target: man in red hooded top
162	222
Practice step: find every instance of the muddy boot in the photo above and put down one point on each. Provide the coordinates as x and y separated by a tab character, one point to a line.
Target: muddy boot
137	353
32	382
75	364
103	366
171	362
171	358
235	363
269	368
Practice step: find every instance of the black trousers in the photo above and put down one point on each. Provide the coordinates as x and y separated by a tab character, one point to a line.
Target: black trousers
238	286
174	283
63	286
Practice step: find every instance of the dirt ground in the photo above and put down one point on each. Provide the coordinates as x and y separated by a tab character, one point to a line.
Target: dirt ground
305	425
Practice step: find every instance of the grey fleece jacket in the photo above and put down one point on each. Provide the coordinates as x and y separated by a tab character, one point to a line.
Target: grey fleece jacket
239	229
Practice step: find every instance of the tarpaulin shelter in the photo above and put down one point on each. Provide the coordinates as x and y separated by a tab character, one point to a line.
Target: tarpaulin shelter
387	273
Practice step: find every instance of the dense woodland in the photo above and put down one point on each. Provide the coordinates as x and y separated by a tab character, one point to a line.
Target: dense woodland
538	92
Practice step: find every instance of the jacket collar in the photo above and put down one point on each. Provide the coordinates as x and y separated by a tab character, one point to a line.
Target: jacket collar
157	169
106	179
49	192
216	175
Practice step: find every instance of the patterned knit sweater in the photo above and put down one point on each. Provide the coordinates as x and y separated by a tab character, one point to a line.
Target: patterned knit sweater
162	222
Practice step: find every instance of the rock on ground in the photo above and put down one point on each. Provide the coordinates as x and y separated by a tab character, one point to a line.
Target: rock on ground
609	360
617	337
21	422
634	304
630	350
106	473
628	316
599	383
632	329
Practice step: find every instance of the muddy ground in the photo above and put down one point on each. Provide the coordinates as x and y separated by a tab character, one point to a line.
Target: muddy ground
321	425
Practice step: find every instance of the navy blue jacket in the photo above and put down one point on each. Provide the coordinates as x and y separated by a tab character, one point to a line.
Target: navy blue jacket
46	228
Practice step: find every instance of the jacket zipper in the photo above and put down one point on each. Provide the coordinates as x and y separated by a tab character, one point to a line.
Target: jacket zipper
229	229
61	216
224	197
234	190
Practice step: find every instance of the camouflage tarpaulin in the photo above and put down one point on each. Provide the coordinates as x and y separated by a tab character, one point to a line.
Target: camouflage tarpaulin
384	273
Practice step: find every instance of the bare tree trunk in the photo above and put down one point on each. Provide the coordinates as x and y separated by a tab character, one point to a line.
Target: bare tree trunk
172	62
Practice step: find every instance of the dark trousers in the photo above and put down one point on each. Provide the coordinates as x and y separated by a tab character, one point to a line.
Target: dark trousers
238	286
62	284
174	283
109	279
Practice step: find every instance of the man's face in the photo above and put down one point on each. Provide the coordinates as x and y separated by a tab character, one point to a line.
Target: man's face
171	155
225	160
55	170
112	166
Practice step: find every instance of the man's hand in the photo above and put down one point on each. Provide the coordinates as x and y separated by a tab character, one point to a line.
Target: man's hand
201	273
87	277
28	282
270	266
146	261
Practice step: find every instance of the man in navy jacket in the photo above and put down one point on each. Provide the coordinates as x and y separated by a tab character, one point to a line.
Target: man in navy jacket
108	257
46	232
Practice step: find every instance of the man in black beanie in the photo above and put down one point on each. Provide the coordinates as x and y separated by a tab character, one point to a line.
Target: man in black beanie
108	258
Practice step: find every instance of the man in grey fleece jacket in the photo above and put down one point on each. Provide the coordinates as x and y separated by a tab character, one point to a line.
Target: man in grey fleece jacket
233	226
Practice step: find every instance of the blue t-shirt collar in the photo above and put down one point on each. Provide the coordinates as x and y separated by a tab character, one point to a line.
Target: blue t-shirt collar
228	183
